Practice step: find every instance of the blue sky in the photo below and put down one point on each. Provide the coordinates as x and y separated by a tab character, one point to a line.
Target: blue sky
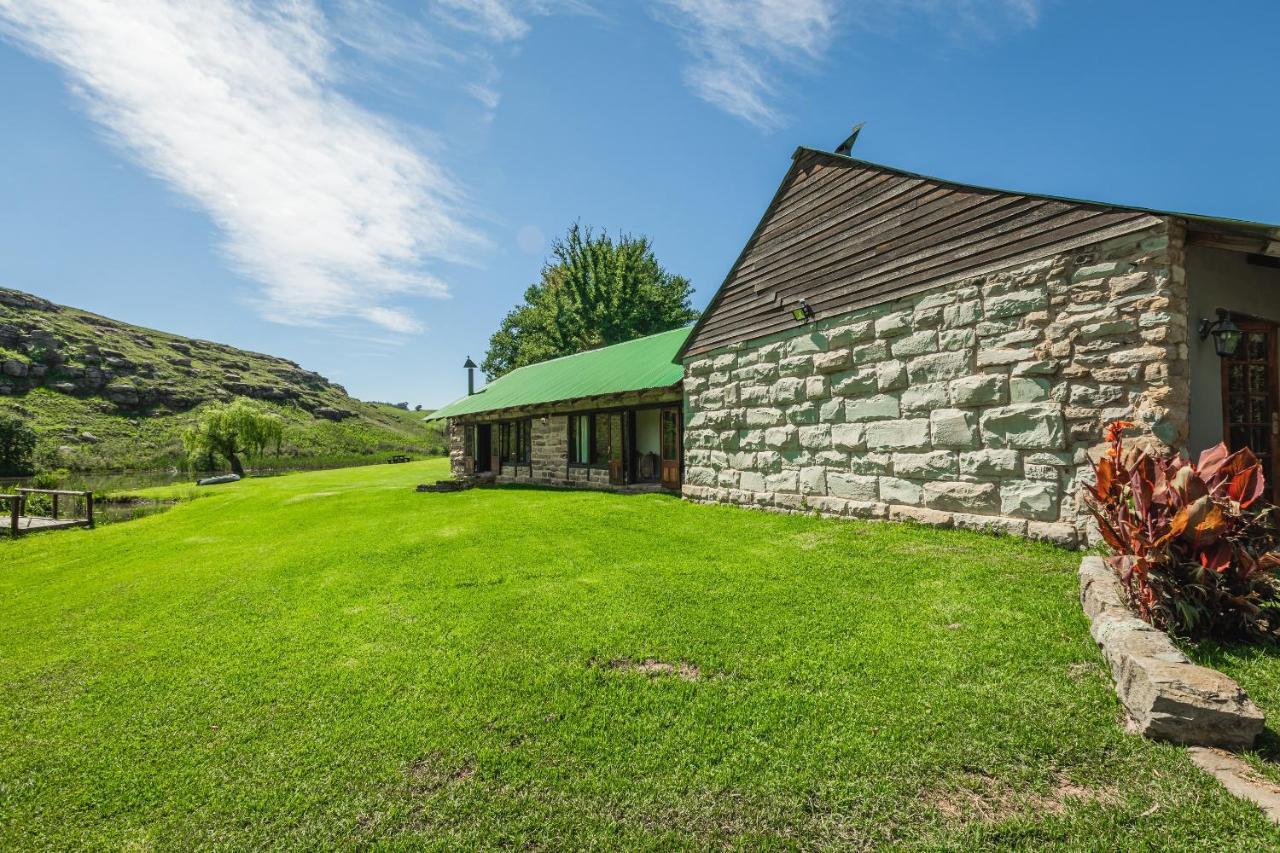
367	187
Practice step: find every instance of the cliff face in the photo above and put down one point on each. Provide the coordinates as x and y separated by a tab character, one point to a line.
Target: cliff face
75	373
82	354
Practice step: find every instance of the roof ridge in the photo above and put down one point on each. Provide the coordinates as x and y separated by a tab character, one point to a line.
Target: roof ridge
1031	194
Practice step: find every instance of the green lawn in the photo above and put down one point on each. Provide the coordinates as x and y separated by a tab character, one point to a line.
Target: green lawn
331	659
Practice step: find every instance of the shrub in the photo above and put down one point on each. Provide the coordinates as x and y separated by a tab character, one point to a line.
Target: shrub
17	445
1195	544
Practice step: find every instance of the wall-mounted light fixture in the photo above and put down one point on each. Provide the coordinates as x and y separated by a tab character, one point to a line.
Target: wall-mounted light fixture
1226	334
802	313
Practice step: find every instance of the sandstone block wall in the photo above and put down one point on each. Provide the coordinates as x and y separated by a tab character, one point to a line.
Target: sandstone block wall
974	405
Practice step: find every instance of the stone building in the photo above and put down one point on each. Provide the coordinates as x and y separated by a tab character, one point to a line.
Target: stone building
891	345
606	418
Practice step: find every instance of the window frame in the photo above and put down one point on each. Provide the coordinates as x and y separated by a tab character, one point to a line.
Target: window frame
515	436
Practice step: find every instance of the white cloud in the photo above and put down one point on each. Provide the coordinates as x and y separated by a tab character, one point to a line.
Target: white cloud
320	201
741	48
738	46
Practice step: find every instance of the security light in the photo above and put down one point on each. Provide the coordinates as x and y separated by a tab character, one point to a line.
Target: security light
802	313
1226	334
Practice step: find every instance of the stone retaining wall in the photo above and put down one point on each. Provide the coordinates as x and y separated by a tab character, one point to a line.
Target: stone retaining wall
974	405
1165	695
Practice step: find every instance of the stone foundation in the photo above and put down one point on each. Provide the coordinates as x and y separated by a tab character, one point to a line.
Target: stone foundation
975	405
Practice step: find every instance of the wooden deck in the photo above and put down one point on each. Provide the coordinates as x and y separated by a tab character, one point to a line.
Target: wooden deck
19	523
33	524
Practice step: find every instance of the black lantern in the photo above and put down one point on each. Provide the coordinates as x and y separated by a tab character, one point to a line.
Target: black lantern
1226	334
802	313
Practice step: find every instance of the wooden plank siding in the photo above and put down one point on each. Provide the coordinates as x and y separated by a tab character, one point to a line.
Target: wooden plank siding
844	234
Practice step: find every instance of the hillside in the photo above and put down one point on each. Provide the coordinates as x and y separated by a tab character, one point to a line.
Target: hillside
104	394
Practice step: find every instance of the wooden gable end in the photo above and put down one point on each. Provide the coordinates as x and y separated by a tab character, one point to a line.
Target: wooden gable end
842	234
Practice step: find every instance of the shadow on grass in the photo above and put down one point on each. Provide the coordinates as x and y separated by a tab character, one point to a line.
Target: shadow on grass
1233	657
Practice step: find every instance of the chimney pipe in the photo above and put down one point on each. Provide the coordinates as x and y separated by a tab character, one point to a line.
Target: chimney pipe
471	376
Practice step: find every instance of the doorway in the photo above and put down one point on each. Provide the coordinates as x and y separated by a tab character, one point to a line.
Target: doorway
647	450
484	448
1251	398
671	448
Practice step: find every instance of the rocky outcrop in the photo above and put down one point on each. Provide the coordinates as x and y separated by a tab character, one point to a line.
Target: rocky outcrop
137	370
1164	694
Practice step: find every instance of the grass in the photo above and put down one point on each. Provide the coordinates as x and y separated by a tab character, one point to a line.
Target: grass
126	441
331	659
191	373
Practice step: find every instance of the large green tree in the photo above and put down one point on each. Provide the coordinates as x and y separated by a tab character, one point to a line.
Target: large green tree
17	445
231	430
594	291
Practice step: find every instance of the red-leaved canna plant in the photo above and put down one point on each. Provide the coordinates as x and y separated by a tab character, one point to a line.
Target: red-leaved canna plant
1195	544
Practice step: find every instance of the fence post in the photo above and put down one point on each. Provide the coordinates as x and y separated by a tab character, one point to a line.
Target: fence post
16	505
88	502
55	507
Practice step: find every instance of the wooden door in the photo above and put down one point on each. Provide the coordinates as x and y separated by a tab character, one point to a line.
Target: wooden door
1251	398
671	443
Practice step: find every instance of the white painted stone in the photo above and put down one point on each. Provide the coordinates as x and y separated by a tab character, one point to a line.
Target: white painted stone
1002	357
895	490
788	390
1015	304
855	486
916	343
961	497
953	428
813	480
938	367
751	481
871	353
984	389
924	398
853	333
763	417
832	411
856	384
989	463
817	437
1026	426
831	362
815	388
892	325
911	434
1026	389
934	465
871	463
891	376
850	437
1029	499
780	438
783	481
879	407
809	342
796	365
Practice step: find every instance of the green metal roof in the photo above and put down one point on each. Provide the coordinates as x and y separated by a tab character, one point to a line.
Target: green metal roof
637	365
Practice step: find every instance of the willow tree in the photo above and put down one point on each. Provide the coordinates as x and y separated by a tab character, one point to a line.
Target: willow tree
231	430
593	291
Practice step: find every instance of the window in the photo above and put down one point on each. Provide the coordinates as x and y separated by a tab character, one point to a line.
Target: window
515	441
607	446
580	439
595	439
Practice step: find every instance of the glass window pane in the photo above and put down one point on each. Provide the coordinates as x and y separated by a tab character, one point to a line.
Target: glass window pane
1258	378
1256	346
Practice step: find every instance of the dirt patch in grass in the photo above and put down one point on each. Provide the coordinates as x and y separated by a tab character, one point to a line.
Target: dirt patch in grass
979	798
433	772
654	668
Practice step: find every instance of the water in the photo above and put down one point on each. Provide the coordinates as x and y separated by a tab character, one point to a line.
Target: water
115	482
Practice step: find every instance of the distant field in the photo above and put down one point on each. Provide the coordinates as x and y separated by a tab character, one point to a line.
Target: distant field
121	441
331	659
